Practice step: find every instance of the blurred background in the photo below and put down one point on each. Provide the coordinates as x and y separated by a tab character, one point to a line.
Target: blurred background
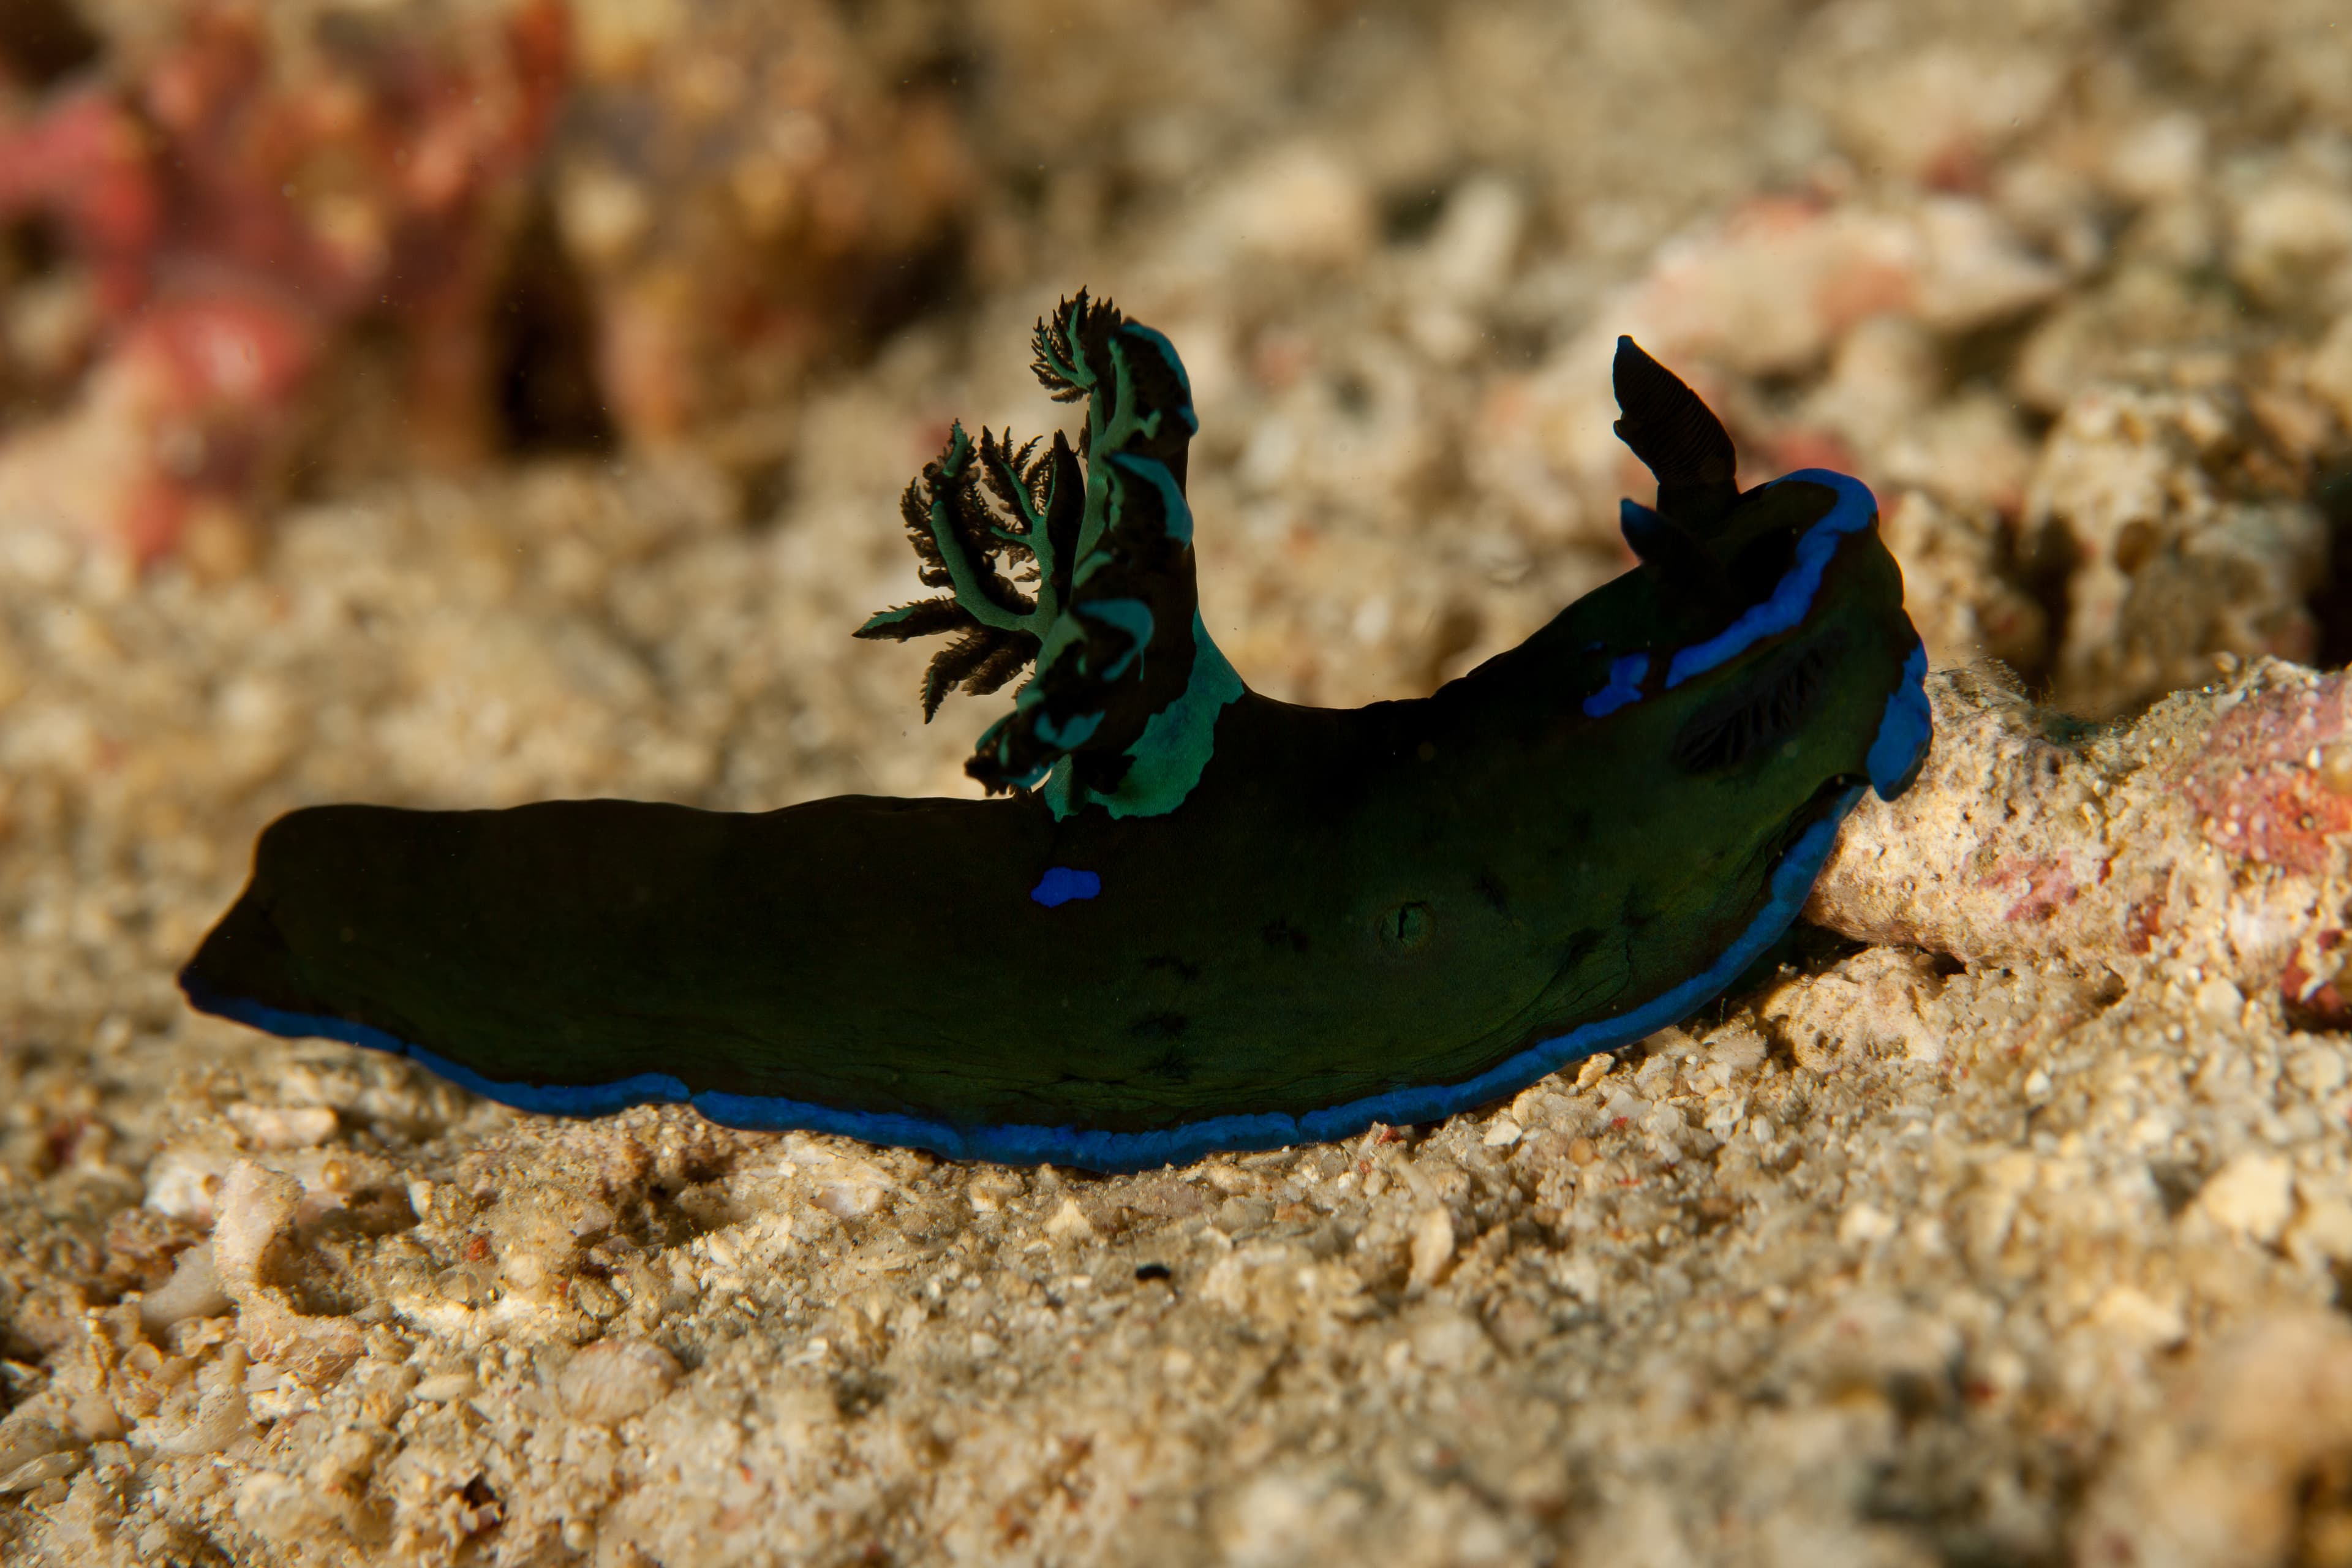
465	403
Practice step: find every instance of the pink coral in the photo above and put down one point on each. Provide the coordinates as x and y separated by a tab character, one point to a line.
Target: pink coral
238	213
2044	885
2269	785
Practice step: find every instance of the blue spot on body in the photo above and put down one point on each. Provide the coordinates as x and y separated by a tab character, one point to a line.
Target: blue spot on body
1625	686
1904	730
1792	597
1060	884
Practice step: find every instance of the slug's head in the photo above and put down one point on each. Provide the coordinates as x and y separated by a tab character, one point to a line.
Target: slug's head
1711	550
1679	440
1709	543
1767	601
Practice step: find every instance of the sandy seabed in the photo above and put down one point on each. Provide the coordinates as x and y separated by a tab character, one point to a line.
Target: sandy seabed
2019	1233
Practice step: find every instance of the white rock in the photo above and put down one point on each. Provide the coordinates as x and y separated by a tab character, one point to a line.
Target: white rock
1069	1223
2162	158
2322	1233
1973	269
284	1126
255	1207
184	1180
2219	999
2140	1320
31	1430
445	1387
1449	1341
194	1290
2252	1196
1470	251
1299	205
1738	1046
612	1380
1284	1518
40	1472
1863	1225
1432	1245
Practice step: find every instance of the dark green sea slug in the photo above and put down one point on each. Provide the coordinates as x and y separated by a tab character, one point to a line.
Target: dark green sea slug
1191	918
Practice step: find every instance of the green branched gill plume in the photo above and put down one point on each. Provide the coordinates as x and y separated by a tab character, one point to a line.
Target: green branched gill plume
1099	534
981	553
1070	345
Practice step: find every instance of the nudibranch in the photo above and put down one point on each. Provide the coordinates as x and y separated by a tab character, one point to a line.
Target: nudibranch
1187	917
